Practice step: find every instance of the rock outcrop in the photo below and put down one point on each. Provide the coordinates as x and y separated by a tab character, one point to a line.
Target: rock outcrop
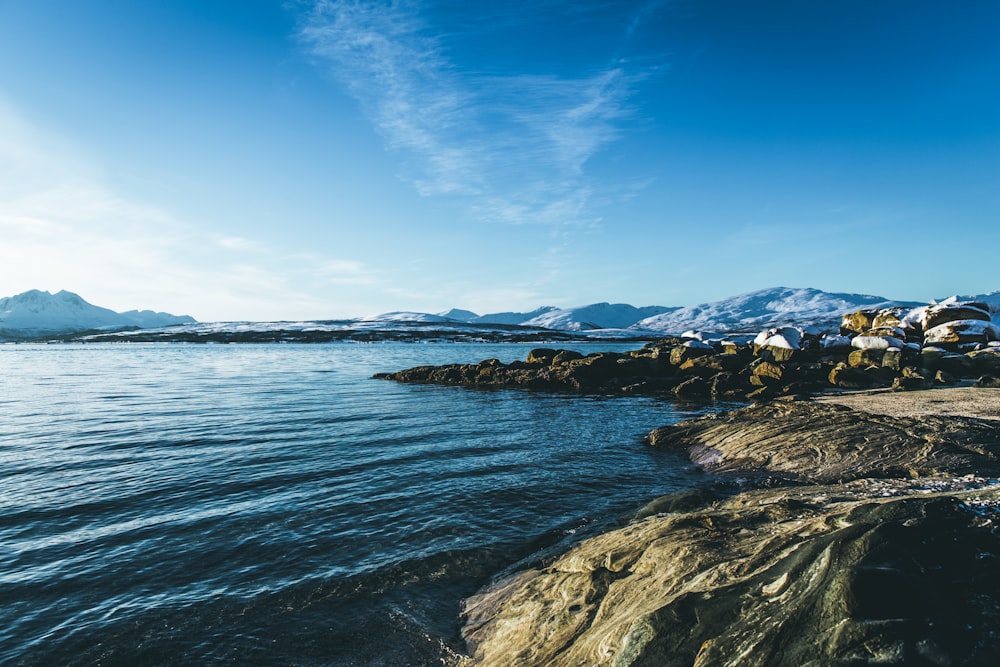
809	442
897	565
859	574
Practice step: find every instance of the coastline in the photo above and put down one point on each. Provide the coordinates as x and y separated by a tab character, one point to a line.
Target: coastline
849	528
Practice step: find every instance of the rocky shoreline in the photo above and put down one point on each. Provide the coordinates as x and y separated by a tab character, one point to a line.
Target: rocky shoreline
940	345
847	529
843	538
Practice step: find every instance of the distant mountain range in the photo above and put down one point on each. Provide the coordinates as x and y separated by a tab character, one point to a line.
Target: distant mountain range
759	310
749	312
36	314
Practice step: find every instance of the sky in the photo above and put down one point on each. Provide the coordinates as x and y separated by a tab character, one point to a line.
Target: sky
319	159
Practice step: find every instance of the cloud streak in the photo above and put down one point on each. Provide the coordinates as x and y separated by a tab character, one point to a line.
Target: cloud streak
64	227
514	146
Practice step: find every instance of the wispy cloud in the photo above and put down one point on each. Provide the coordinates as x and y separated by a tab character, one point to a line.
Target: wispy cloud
63	226
515	146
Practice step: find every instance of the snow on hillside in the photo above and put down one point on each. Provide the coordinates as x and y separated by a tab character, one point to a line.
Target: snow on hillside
406	316
761	309
37	312
148	319
459	315
512	318
595	316
64	311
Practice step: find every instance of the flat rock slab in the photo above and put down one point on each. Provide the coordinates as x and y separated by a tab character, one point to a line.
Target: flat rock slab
824	442
954	402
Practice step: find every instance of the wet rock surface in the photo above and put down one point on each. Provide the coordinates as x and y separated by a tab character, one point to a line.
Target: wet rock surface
807	576
843	537
810	442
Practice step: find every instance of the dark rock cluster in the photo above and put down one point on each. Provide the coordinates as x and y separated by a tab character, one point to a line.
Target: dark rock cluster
937	345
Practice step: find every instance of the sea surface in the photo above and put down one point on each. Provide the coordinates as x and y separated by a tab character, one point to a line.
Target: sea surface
272	504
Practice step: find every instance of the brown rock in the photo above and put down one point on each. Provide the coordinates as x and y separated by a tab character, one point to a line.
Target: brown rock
943	313
987	382
857	322
889	317
541	355
905	383
711	364
865	357
957	365
729	387
694	388
893	359
565	356
845	377
768	373
682	353
986	361
961	332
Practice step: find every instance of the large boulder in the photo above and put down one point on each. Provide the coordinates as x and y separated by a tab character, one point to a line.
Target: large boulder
857	322
865	357
987	382
843	376
962	332
565	356
889	317
986	361
779	344
541	355
876	342
689	349
952	312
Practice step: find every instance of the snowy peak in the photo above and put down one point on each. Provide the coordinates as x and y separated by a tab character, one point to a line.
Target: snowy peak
582	318
761	309
595	316
459	315
406	316
36	312
510	318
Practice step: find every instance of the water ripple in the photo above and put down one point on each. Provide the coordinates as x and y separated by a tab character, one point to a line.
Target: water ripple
271	503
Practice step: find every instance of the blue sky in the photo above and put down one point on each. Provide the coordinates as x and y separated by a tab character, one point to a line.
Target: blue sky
260	159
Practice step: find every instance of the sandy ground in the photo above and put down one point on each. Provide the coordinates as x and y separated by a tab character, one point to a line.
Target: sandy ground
951	401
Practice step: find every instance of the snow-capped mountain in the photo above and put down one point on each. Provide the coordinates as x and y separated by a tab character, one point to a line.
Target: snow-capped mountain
595	316
459	315
406	316
581	318
751	312
509	318
37	313
761	309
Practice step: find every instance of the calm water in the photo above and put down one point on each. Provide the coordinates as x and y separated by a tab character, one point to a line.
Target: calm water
217	504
